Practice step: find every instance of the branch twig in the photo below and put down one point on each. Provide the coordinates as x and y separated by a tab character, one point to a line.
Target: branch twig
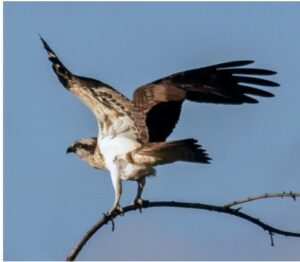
267	195
223	209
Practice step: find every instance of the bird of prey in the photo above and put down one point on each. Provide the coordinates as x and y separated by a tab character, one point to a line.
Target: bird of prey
132	133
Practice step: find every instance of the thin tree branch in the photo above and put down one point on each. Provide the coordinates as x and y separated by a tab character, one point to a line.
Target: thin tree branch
222	209
267	195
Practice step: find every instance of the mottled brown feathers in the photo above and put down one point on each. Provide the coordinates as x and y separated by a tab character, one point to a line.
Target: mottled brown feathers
104	101
167	152
156	107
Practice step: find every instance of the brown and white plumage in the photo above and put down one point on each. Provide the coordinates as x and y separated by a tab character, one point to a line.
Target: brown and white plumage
132	133
147	156
88	150
156	153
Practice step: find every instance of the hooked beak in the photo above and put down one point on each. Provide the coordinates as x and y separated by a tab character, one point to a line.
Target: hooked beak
71	149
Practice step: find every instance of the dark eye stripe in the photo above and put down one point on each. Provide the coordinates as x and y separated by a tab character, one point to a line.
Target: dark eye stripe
86	147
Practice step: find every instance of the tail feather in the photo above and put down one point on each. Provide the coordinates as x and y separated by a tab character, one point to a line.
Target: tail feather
63	74
186	150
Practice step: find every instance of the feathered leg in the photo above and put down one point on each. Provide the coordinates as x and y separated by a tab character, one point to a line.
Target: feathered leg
117	184
138	199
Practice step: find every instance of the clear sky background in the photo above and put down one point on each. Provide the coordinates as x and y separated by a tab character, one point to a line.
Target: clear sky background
51	199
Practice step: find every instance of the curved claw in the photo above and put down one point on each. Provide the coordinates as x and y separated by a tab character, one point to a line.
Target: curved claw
121	211
108	216
139	203
116	209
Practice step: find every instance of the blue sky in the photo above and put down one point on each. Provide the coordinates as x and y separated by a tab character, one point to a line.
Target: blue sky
51	199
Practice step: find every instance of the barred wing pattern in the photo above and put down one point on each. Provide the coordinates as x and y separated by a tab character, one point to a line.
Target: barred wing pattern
116	115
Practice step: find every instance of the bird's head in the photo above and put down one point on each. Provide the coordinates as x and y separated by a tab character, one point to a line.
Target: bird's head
83	147
87	150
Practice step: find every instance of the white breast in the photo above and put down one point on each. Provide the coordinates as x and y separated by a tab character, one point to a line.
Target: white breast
113	148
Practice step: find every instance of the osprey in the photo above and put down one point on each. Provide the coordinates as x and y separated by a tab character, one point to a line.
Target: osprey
132	133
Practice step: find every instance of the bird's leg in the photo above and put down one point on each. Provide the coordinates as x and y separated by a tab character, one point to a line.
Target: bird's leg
117	184
138	199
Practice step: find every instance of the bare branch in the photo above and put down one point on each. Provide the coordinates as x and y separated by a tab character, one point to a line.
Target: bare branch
267	195
222	209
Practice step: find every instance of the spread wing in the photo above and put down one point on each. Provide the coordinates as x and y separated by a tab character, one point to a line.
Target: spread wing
116	115
225	83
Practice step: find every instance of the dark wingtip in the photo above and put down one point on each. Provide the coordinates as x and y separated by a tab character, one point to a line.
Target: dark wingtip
46	46
250	71
236	63
270	72
246	62
42	39
207	159
204	156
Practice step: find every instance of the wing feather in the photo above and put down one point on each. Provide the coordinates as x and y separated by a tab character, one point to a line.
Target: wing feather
224	83
155	109
159	153
115	113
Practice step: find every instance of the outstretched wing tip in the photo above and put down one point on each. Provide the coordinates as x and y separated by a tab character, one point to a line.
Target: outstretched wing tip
271	72
203	157
46	46
235	63
247	61
206	158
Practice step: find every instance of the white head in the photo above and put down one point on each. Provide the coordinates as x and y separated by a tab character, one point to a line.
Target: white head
87	150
